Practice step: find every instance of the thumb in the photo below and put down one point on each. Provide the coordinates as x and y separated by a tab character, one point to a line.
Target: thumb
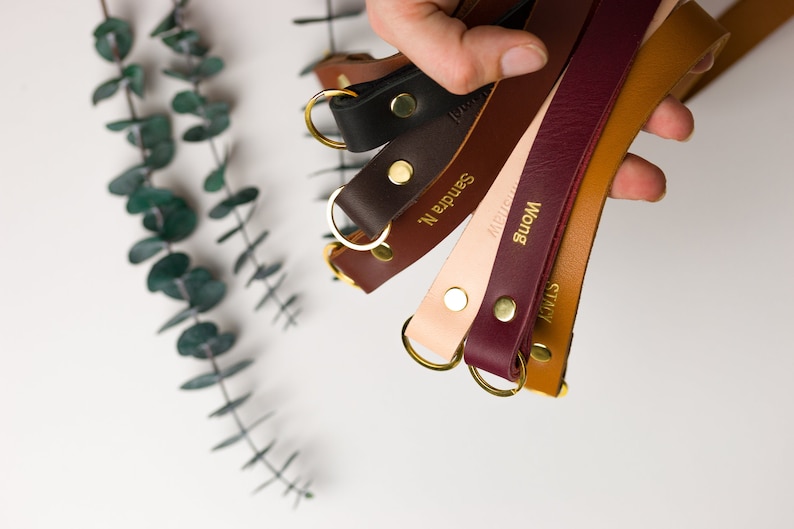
459	59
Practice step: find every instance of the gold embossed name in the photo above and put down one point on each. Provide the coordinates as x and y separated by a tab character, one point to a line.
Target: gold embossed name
550	294
446	201
531	213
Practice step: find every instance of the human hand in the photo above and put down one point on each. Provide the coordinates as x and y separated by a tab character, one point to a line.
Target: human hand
461	60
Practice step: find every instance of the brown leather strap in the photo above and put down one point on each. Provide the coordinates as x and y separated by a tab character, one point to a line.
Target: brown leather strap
548	184
749	22
464	182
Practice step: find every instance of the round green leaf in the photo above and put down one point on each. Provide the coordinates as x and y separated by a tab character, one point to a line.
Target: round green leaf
243	196
113	34
146	248
217	345
216	179
153	220
187	101
146	198
105	90
152	131
194	339
166	270
161	155
218	124
178	224
213	110
192	282
209	295
134	75
129	181
208	67
196	133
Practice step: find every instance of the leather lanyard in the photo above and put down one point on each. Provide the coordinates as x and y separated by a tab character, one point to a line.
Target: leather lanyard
684	38
466	179
502	327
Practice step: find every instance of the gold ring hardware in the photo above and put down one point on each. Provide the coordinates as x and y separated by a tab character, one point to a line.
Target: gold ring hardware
403	105
522	379
344	240
327	251
456	358
307	115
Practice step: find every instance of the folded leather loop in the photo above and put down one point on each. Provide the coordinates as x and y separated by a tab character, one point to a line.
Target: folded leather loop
469	265
464	182
749	22
371	119
548	184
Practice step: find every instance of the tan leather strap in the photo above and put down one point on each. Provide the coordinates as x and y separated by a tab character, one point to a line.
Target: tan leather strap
749	22
442	330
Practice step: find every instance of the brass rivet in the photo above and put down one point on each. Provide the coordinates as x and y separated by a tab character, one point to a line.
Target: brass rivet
400	172
455	299
403	105
540	353
383	252
505	309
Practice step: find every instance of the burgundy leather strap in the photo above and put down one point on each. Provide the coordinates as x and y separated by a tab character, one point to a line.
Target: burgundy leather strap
464	182
549	181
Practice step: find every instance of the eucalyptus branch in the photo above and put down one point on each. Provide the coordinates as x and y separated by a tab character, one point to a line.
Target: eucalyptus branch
215	120
171	220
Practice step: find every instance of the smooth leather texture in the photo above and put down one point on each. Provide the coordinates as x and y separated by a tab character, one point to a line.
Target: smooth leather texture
549	181
367	122
464	182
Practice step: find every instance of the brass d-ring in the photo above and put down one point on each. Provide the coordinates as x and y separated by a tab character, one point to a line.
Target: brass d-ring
327	251
307	115
522	379
329	212
456	358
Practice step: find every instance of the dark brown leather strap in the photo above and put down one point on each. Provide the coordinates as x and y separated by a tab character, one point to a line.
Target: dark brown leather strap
552	173
392	105
464	182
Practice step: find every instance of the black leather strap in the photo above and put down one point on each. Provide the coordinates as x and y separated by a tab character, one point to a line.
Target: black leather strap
367	121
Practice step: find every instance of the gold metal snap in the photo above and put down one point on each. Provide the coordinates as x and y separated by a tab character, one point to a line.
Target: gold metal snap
329	215
456	299
456	358
505	309
540	353
401	172
327	251
522	379
383	252
307	116
403	105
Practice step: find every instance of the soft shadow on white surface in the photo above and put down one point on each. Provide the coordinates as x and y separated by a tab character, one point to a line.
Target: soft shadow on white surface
680	407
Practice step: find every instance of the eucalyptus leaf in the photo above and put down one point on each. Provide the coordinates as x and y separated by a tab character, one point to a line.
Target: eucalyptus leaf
218	124
152	131
259	455
263	272
260	239
129	181
231	406
188	284
271	292
202	381
153	220
161	155
106	90
242	433
166	270
280	472
183	37
226	236
144	198
208	67
243	196
216	179
146	248
236	368
181	316
122	124
166	25
209	295
196	133
113	37
177	75
215	109
187	102
179	224
193	339
135	77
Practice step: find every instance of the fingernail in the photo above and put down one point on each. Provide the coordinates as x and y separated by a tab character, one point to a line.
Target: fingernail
661	197
691	134
523	59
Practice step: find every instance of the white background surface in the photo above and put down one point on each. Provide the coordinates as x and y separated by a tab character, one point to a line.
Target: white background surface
681	402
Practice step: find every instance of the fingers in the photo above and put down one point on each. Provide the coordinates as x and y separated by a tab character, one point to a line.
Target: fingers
671	120
459	59
638	179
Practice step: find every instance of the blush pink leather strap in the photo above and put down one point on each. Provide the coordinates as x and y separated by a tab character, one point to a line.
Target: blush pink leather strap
548	184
